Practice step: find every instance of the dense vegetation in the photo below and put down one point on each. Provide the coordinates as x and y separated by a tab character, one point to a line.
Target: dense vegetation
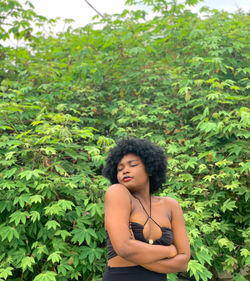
178	79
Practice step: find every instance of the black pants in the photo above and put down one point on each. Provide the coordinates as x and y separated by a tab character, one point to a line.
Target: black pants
132	273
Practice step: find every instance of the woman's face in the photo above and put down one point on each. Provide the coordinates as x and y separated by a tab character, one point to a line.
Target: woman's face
131	172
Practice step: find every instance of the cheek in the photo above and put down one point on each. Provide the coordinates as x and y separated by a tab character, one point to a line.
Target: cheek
144	175
118	176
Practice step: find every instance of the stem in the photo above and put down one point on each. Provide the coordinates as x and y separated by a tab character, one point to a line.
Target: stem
94	8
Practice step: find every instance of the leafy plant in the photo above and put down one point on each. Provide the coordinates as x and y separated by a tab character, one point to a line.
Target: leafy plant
177	79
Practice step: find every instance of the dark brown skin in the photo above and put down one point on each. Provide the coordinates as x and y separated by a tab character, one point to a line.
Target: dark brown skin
122	205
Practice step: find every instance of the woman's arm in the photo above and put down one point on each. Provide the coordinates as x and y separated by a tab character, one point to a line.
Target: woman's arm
117	214
178	263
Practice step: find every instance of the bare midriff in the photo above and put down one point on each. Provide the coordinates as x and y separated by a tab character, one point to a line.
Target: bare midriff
120	262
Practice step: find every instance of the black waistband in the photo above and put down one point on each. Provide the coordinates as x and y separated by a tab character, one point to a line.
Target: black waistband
132	273
124	268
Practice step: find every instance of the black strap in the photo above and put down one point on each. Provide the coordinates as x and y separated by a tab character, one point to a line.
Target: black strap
149	215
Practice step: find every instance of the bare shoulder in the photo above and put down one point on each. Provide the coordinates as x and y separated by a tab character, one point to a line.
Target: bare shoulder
117	190
168	202
172	203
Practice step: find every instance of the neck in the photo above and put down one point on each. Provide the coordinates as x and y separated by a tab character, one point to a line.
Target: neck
143	196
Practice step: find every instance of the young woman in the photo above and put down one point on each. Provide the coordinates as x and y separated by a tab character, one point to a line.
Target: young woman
146	235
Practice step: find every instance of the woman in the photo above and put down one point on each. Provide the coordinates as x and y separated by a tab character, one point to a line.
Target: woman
146	236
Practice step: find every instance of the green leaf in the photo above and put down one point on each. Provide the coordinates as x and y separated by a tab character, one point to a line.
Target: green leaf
90	253
172	149
46	276
66	204
229	263
224	242
18	217
79	236
245	167
3	205
239	277
55	257
27	262
186	177
198	271
9	233
191	163
49	150
9	155
34	216
5	272
28	174
9	173
172	277
245	253
63	233
228	205
54	209
36	198
40	248
208	127
64	268
94	209
52	224
24	198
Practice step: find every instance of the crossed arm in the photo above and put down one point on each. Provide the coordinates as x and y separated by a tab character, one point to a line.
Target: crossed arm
158	258
179	262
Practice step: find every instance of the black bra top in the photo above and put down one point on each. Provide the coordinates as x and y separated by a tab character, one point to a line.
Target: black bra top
166	238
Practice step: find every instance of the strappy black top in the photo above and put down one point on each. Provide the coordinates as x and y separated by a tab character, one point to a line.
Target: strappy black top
166	238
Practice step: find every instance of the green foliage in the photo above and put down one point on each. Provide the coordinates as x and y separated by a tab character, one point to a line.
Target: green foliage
177	79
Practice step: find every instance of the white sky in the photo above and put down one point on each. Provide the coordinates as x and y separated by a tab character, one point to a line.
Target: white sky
82	13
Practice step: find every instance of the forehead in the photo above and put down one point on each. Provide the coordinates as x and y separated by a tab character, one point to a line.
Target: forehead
129	157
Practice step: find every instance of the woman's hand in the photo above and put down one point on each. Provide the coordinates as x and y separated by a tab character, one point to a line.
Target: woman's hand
172	248
173	251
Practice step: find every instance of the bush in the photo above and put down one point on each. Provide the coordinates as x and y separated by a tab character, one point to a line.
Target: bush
179	80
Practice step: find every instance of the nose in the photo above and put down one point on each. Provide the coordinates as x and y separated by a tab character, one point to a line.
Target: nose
126	169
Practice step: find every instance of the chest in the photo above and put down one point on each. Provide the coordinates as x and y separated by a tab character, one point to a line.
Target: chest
151	222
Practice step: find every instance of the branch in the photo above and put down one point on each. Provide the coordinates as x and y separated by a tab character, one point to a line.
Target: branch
94	9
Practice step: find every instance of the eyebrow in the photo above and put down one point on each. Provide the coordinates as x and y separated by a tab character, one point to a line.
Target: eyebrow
130	161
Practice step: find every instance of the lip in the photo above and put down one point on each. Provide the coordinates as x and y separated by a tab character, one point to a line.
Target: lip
126	179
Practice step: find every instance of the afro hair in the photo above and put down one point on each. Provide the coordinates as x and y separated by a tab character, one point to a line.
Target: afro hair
152	155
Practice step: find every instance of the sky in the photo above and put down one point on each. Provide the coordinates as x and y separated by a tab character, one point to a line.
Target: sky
82	14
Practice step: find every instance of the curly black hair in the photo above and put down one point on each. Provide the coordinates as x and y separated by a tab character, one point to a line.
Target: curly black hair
152	155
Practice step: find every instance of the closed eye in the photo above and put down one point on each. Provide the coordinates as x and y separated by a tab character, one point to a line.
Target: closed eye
131	164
